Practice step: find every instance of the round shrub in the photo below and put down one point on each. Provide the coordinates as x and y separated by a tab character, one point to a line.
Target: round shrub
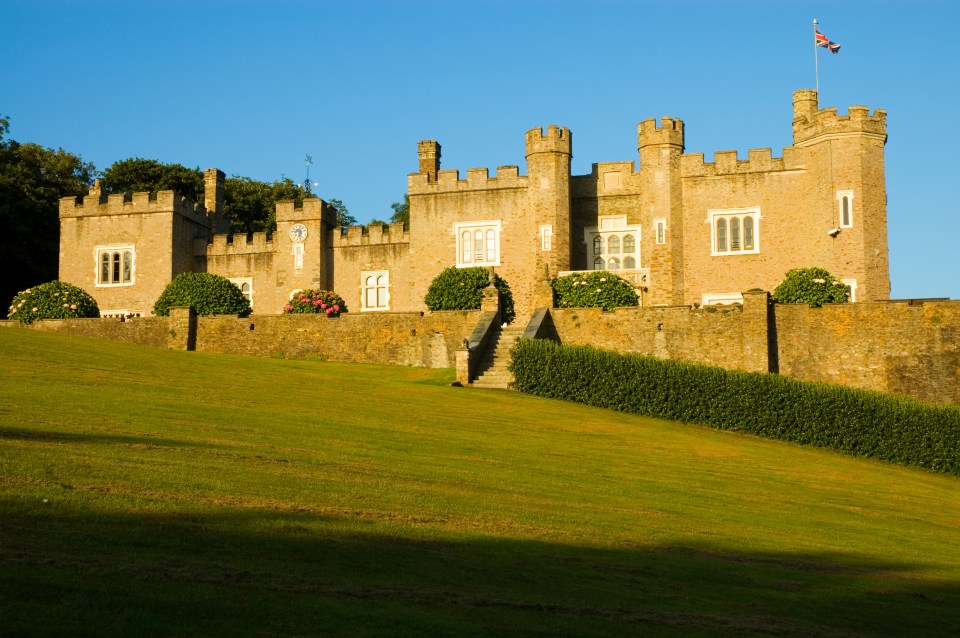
462	289
813	286
594	289
209	294
314	302
52	300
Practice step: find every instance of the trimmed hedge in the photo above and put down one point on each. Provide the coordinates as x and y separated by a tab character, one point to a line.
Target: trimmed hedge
594	289
853	421
462	289
52	300
209	294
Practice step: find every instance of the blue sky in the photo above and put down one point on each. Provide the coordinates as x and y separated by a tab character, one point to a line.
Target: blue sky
253	87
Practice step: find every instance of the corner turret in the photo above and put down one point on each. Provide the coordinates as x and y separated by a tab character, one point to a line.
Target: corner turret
555	140
812	125
668	134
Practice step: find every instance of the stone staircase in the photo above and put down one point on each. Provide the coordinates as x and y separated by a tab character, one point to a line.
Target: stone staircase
492	370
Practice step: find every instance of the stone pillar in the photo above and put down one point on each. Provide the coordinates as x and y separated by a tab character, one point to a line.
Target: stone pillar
183	329
756	331
463	363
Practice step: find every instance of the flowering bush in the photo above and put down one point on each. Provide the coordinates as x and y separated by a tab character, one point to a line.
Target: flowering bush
207	293
462	289
52	300
316	301
813	286
597	288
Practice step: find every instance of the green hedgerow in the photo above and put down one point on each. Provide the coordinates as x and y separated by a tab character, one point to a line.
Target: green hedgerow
314	302
813	286
52	300
207	293
595	289
462	289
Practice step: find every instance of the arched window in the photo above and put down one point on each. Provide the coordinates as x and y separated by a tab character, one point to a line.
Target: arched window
734	233
370	292
374	286
491	246
478	245
105	268
613	264
127	266
115	266
597	245
748	233
613	245
629	263
598	263
465	244
846	211
629	244
721	235
382	291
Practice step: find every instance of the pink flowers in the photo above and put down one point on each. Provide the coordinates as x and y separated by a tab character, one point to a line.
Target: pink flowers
73	306
315	301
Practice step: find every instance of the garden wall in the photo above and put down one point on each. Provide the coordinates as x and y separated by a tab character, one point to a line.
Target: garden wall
414	339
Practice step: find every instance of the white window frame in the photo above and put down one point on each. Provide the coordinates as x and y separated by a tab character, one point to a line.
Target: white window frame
840	196
297	257
721	298
739	214
609	226
239	283
376	274
660	231
484	227
852	285
546	237
119	250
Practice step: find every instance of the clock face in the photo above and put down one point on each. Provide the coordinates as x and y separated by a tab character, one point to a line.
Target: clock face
298	232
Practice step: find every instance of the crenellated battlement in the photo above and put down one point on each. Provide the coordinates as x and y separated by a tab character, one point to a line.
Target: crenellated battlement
477	179
222	245
372	235
668	131
95	205
556	139
759	160
810	123
313	208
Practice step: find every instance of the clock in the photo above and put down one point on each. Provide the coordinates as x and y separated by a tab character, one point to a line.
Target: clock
298	232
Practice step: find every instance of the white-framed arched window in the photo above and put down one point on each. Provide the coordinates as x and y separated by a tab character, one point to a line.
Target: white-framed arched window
845	208
616	244
115	266
478	243
734	231
374	290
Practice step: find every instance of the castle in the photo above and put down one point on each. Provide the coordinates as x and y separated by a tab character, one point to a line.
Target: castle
682	230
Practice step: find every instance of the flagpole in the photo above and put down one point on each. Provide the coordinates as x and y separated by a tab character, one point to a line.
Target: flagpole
816	58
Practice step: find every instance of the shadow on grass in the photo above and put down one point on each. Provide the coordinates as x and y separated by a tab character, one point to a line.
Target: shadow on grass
33	434
66	571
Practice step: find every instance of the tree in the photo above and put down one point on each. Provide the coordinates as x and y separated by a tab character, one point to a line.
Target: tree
32	181
401	211
813	286
138	175
344	218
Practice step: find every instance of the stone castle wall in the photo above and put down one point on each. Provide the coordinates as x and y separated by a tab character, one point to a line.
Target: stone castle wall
911	350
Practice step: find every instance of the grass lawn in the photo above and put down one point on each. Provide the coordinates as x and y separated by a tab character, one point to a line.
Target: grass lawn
147	492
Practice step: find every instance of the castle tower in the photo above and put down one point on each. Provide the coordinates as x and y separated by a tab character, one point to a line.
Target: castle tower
213	181
660	147
847	193
429	153
548	203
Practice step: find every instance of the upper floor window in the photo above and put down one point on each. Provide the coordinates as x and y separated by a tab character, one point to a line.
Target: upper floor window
375	290
115	266
661	226
478	243
734	232
245	284
297	257
615	244
546	237
845	206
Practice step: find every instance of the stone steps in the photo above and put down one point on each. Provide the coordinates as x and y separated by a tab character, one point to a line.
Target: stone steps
494	365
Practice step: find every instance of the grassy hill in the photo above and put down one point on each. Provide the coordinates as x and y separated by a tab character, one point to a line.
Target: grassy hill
146	492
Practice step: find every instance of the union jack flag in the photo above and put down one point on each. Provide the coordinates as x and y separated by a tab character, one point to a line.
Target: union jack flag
824	41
